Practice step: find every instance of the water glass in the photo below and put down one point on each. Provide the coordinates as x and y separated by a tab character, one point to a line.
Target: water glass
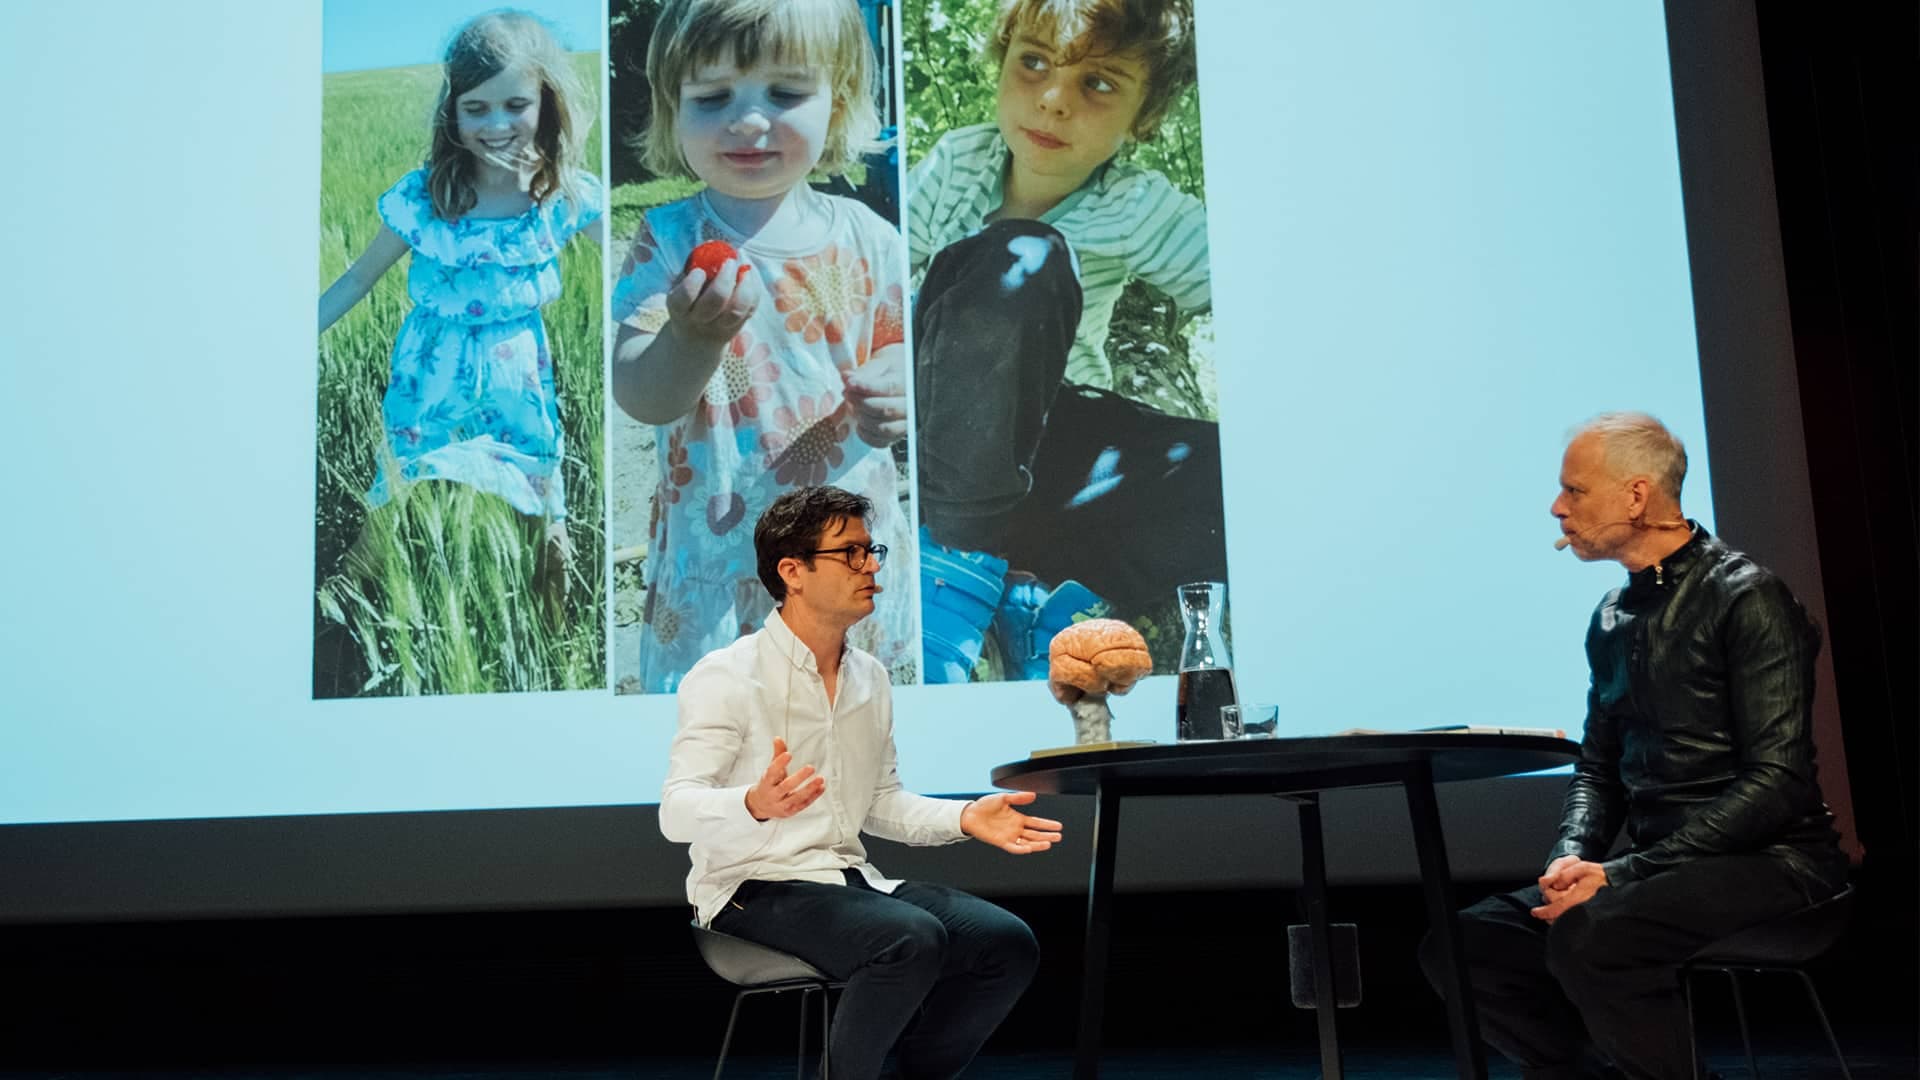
1250	721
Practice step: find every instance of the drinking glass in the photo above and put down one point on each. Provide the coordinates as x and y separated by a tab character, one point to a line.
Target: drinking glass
1250	721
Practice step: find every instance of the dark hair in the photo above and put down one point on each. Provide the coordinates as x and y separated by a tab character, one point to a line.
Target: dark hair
793	525
1160	31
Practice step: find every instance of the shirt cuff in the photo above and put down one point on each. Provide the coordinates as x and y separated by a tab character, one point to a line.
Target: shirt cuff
726	808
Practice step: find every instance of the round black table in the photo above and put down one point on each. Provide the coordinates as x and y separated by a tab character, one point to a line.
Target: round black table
1298	769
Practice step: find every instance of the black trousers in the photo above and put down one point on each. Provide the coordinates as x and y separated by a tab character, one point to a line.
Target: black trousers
992	325
1603	978
1046	474
930	971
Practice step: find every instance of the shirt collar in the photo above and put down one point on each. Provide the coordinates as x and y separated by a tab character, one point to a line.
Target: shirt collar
790	645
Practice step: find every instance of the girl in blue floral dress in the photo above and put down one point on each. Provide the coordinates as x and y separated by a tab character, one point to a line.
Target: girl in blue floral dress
471	395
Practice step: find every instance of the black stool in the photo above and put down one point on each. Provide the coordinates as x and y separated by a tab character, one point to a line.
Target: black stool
1786	944
757	969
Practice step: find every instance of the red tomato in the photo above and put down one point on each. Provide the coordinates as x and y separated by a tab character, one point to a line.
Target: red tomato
711	256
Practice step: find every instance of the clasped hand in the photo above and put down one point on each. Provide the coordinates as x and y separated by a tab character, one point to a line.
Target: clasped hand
1568	882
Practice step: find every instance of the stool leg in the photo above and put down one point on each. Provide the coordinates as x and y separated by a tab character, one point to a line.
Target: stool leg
727	1039
1740	1010
1821	1011
826	1005
1693	1033
800	1055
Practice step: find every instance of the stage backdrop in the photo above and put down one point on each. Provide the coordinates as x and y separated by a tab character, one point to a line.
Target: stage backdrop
1439	238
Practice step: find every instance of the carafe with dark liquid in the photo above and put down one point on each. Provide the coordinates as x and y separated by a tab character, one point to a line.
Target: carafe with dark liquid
1206	672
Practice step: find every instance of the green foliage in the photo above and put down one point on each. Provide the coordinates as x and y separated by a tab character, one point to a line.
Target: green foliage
629	28
629	202
443	602
1174	150
949	76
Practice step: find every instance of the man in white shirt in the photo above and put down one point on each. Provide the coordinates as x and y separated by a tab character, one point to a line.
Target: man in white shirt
777	857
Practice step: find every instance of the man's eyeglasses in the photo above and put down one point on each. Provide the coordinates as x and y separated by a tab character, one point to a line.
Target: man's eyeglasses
859	556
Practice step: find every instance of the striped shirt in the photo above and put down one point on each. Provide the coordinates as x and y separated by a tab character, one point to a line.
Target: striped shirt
1123	222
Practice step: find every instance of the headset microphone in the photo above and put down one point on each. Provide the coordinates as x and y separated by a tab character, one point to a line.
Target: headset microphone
1565	541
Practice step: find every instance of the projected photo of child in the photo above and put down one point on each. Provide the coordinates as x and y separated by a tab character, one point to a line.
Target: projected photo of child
1067	453
458	532
760	305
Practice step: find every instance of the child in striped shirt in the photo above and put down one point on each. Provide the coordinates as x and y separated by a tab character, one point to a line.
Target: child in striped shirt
1022	235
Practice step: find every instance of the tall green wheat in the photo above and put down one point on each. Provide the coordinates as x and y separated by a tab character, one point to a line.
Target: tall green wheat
445	603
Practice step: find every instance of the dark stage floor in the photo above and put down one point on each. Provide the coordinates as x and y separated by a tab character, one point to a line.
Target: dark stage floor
1877	1059
586	995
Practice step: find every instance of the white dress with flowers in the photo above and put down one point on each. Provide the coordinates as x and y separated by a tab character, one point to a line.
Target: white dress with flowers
774	417
471	395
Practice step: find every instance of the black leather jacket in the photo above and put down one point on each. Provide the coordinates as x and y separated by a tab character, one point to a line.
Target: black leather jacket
1699	733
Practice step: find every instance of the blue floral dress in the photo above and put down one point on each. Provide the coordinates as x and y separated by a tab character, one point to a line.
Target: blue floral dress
471	395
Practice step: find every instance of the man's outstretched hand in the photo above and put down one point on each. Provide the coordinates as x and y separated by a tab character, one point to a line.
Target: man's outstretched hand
778	795
993	819
1568	882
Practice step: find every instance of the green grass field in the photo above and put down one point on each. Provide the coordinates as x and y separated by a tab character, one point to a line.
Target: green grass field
447	605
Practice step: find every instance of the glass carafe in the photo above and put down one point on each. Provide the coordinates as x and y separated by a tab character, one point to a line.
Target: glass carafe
1206	671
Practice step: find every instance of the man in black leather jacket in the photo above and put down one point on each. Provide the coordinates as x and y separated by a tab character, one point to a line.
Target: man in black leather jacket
1699	740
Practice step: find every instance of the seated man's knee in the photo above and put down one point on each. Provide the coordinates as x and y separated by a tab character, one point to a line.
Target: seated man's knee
1577	940
918	939
1011	941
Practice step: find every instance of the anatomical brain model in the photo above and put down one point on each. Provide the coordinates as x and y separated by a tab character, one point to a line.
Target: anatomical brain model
1089	660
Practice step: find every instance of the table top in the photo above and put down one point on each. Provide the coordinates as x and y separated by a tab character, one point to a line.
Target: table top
1315	763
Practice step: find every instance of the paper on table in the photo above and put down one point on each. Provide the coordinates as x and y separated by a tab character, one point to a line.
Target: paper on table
1081	748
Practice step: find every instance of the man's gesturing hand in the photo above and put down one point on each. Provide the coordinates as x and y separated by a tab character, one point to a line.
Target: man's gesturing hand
993	819
777	795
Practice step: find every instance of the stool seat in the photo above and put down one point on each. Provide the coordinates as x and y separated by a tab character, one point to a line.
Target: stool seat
1786	944
758	969
748	963
1788	941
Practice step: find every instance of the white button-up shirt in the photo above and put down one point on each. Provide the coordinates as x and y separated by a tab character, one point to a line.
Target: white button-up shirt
732	705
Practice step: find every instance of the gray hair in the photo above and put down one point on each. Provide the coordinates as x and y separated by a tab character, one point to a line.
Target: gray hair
1636	444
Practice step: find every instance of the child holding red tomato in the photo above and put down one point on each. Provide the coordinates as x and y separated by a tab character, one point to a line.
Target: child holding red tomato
761	321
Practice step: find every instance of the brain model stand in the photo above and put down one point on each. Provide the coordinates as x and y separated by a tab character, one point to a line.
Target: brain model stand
1090	660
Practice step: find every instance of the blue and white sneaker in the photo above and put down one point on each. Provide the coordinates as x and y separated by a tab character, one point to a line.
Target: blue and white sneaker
1030	614
958	593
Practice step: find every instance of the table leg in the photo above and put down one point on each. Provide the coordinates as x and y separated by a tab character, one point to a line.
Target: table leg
1469	1056
1093	978
1313	874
